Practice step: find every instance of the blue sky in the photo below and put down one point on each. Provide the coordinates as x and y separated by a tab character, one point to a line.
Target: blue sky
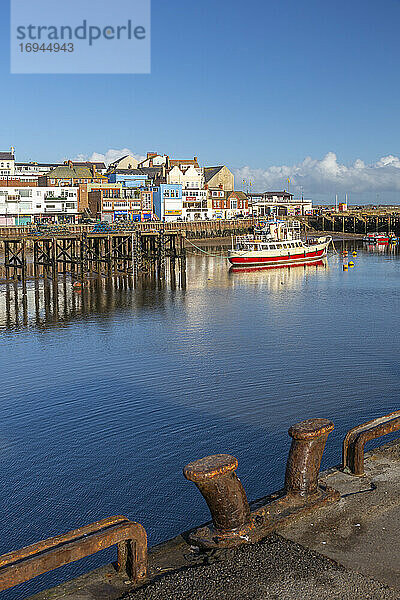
255	84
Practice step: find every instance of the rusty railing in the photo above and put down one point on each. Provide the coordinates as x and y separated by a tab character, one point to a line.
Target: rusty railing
22	565
356	438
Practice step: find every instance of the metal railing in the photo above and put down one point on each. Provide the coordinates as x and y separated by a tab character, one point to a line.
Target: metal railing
25	564
356	438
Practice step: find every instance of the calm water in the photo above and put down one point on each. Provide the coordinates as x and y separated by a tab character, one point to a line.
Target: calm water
105	396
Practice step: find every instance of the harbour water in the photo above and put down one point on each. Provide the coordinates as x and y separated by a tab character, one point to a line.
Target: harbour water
107	393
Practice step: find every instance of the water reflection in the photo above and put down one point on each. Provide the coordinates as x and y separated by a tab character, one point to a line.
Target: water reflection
277	279
47	302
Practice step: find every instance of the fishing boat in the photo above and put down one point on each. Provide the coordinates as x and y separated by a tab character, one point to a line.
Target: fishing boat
276	243
380	238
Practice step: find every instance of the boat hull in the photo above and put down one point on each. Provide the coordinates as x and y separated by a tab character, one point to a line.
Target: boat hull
262	258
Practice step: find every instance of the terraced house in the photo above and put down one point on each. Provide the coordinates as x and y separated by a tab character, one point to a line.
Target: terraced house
71	175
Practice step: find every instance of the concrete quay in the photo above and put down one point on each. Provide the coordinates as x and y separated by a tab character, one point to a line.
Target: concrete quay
344	549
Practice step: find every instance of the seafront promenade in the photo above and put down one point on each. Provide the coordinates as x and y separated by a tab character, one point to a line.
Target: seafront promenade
331	535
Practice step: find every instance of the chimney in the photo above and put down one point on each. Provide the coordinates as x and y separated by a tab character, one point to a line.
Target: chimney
12	150
195	159
151	154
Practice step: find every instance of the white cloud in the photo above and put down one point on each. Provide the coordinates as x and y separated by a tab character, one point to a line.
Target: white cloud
109	156
327	176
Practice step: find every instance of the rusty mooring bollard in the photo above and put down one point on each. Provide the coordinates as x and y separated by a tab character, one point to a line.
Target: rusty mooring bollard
304	461
216	479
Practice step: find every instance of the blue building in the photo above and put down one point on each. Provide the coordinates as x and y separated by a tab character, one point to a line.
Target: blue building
133	178
167	199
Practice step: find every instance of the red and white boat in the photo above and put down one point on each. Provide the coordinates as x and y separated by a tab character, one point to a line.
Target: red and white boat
277	243
380	238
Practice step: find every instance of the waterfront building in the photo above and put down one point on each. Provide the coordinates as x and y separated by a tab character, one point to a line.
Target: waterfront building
99	166
167	200
238	204
35	169
18	181
194	204
25	205
7	163
154	160
228	205
215	177
108	190
194	196
133	178
70	175
278	204
182	163
114	203
187	176
125	162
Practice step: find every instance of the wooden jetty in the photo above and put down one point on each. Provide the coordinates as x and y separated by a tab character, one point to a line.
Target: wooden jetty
359	221
80	254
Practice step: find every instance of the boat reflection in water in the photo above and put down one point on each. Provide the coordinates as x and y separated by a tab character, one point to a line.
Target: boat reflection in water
382	248
274	277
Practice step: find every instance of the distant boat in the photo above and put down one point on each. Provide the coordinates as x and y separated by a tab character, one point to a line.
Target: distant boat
380	238
276	243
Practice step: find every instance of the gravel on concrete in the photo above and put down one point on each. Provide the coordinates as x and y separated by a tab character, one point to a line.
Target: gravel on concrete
275	569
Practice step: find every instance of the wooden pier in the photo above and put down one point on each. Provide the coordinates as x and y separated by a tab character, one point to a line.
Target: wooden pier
82	254
360	221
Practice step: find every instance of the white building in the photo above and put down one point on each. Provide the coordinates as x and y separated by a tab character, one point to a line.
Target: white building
7	163
33	169
154	160
24	205
278	204
194	196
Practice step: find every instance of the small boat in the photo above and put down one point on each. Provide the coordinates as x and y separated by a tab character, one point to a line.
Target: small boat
276	243
380	238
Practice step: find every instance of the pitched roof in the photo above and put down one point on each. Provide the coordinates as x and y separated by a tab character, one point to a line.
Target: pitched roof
6	156
241	195
210	172
98	165
74	172
116	162
119	159
176	163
